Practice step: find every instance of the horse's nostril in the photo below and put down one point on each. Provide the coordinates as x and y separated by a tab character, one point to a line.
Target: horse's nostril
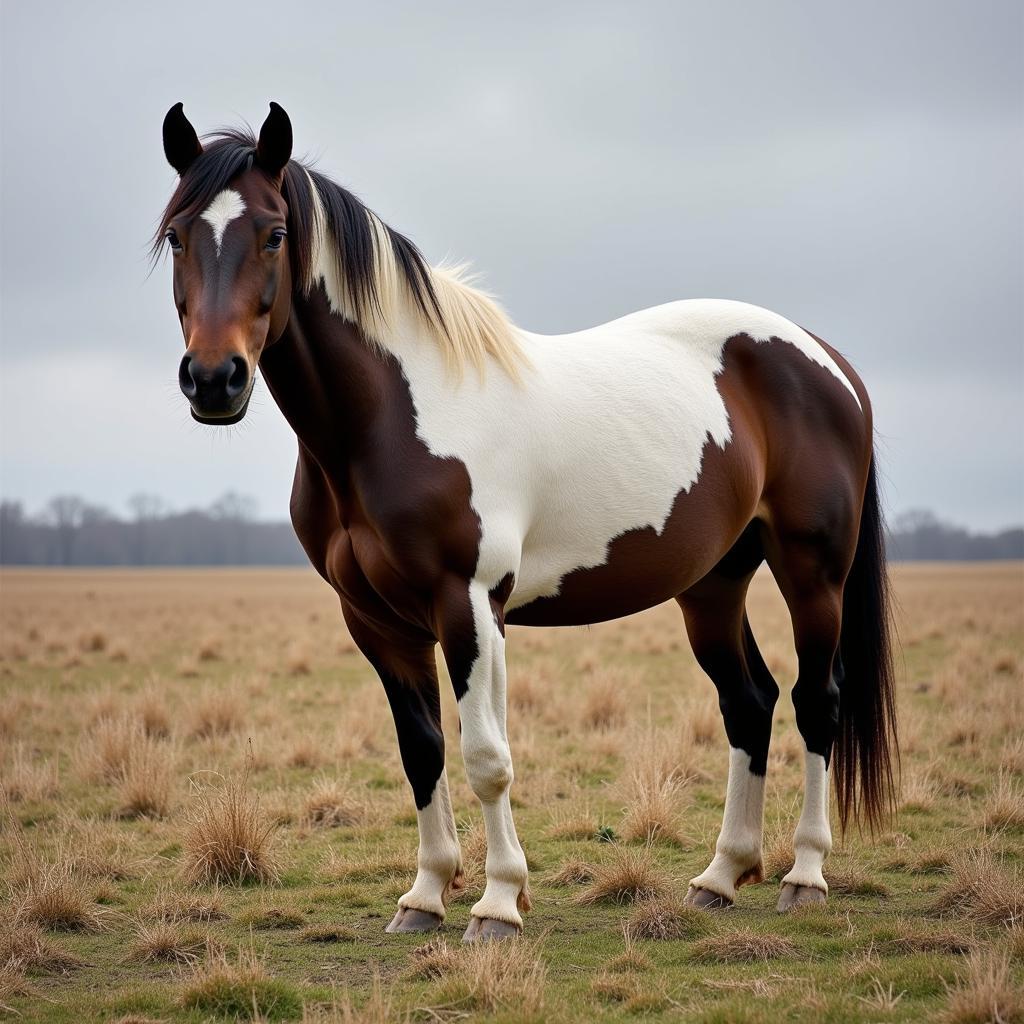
239	378
185	379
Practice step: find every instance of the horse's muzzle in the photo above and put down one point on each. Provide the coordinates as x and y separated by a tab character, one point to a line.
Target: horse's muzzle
218	394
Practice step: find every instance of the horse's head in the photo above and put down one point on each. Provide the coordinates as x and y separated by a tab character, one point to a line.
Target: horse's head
232	276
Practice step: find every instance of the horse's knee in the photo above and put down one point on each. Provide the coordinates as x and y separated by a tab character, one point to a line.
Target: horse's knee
488	769
817	713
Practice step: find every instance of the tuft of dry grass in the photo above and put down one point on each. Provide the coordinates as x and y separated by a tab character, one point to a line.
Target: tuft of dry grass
630	876
667	917
13	984
273	919
631	960
851	881
604	704
1004	806
743	946
146	778
914	939
332	804
982	889
189	906
326	933
653	809
227	838
28	777
573	871
239	988
104	751
433	960
373	867
488	977
53	896
167	942
379	1008
27	945
986	993
216	713
575	823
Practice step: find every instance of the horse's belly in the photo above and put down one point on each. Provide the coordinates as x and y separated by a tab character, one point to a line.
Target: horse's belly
645	565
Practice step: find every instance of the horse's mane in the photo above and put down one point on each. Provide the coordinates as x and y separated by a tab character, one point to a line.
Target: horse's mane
372	274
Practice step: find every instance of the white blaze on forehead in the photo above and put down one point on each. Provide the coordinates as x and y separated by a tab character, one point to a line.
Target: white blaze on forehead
226	206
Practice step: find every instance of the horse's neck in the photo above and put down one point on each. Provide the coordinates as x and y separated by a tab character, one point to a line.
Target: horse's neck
339	393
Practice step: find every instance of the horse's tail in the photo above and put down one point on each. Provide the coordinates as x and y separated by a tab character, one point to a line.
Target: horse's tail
866	749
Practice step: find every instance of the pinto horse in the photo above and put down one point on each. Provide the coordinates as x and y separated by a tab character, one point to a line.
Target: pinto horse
457	474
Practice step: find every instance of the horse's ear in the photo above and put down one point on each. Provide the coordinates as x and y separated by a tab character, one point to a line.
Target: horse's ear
181	144
274	149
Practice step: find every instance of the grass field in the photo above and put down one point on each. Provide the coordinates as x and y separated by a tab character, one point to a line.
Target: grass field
150	719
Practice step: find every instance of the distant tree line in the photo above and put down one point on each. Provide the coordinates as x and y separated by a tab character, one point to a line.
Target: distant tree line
918	536
70	531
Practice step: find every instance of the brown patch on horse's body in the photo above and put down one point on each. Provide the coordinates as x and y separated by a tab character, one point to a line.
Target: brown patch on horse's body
771	391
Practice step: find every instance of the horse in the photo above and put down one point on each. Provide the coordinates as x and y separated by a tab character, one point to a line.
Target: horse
457	475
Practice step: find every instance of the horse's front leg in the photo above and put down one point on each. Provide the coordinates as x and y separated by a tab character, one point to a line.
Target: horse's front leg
474	648
409	674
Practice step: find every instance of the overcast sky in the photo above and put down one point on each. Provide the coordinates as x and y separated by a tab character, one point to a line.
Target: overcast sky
856	167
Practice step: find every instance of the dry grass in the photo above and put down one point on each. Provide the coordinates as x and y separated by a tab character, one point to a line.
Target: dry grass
172	905
168	942
27	945
743	946
980	888
490	977
604	705
572	871
27	776
667	917
216	713
379	1008
986	993
54	897
630	876
13	984
1004	806
333	803
146	780
238	987
226	837
77	728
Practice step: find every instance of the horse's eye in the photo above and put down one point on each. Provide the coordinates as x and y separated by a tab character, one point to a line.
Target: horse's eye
276	238
173	240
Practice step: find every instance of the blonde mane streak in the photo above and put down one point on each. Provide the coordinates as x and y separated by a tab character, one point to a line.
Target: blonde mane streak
472	327
464	322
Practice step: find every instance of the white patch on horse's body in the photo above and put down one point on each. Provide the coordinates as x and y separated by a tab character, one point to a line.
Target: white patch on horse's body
739	845
812	842
226	207
605	429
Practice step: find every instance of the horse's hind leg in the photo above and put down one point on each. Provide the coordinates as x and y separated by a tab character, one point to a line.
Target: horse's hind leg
810	565
724	645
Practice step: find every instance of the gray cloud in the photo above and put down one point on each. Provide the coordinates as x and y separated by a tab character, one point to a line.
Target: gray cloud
855	168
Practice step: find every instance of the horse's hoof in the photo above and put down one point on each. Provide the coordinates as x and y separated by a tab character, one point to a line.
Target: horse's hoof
409	919
793	896
481	929
705	899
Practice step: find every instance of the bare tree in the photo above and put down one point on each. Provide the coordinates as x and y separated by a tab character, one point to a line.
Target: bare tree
67	513
146	509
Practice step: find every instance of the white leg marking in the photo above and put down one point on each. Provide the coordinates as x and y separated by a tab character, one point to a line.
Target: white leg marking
813	839
488	759
226	207
738	849
439	860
